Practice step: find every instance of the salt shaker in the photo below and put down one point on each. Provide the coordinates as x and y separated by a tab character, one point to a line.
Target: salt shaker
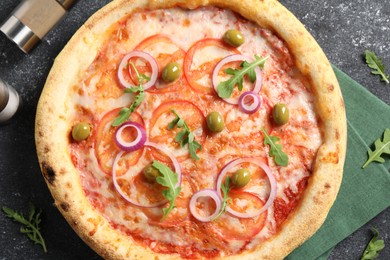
9	102
32	20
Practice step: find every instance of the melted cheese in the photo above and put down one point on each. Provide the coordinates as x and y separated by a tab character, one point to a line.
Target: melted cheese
241	137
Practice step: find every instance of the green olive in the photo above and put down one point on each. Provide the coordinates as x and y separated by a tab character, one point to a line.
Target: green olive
234	38
241	177
171	72
215	122
81	131
280	114
151	173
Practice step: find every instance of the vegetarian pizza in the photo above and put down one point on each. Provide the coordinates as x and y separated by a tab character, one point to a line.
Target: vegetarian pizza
192	129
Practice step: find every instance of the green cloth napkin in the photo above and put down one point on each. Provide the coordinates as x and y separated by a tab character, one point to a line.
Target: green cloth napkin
365	192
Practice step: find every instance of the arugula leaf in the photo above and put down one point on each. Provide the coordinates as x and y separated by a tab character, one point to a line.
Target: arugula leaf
185	136
381	147
125	112
373	247
142	77
174	122
31	224
280	157
193	147
375	63
167	179
123	115
225	187
225	88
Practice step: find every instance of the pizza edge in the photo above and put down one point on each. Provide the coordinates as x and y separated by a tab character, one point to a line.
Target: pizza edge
53	118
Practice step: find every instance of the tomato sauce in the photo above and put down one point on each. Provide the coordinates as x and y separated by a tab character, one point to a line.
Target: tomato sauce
197	47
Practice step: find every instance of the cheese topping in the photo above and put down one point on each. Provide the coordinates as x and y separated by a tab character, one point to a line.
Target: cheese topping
164	34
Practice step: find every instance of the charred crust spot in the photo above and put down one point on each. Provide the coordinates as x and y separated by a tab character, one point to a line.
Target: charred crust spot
46	149
342	102
89	26
48	173
330	87
327	186
62	171
317	200
337	135
65	206
40	134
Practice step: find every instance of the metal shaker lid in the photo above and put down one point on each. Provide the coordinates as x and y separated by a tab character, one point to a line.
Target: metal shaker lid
66	3
19	33
4	95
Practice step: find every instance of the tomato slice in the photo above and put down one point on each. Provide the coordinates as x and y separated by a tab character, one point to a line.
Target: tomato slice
164	50
139	189
105	147
108	86
133	186
232	228
160	134
200	61
179	214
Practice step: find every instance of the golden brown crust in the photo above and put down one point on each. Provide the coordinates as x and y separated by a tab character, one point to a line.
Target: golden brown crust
54	117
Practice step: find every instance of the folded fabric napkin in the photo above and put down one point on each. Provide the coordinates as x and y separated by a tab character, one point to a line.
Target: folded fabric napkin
365	192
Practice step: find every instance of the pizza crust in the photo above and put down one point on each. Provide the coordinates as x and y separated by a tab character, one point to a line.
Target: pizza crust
54	118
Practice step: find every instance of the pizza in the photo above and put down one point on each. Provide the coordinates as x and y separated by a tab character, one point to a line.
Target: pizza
192	129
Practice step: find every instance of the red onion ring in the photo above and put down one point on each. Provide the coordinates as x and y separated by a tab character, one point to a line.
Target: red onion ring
148	58
252	108
270	176
231	58
124	195
133	145
205	193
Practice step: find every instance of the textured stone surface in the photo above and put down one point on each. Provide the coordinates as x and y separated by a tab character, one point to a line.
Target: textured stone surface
343	28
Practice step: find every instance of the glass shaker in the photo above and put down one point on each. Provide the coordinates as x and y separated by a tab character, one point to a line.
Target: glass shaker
9	102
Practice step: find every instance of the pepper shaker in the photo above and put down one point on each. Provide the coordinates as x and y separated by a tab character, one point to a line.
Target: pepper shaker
9	102
32	20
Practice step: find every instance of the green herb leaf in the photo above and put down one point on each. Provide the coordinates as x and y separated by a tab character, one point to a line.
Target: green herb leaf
137	101
181	137
191	137
31	224
185	136
132	90
125	112
167	179
180	123
143	78
375	63
373	247
225	187
381	147
172	124
280	157
193	147
225	88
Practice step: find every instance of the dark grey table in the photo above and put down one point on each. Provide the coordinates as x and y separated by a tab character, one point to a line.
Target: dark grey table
344	29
